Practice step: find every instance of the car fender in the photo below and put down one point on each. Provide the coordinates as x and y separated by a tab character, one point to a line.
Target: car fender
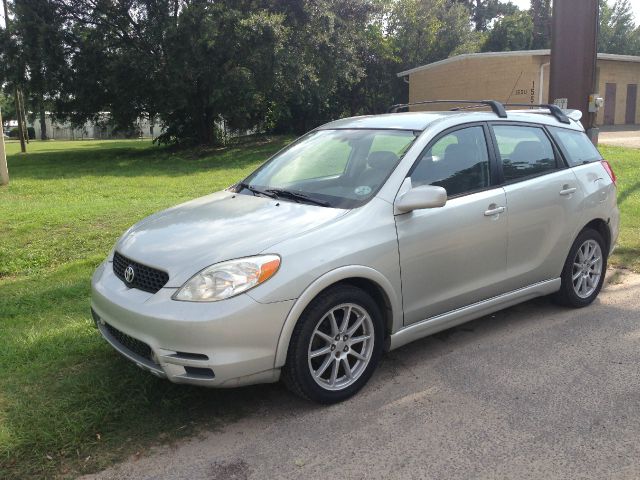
326	280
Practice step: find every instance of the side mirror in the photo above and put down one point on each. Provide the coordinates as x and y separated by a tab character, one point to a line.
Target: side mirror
425	196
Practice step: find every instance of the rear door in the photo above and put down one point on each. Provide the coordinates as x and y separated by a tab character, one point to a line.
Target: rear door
455	255
544	202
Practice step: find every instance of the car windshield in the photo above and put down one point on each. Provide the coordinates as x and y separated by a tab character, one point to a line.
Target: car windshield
333	168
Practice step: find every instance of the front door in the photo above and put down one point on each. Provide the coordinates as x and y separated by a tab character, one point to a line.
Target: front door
455	255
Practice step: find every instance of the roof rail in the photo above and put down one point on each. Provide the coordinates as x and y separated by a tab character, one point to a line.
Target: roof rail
554	109
496	106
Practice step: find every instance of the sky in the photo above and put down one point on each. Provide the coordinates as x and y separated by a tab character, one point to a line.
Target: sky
635	4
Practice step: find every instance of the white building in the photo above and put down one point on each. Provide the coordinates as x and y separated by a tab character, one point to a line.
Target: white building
101	130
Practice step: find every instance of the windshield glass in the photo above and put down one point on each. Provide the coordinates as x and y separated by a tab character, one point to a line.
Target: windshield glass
333	168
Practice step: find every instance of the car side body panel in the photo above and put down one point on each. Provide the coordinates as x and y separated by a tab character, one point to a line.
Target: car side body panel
543	223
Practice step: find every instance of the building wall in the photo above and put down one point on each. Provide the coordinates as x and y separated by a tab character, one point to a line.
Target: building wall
513	78
65	131
622	74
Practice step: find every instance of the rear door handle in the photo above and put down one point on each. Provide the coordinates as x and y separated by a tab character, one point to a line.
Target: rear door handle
568	191
493	211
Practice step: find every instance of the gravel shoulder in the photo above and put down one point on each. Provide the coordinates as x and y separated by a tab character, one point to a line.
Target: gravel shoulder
534	391
621	137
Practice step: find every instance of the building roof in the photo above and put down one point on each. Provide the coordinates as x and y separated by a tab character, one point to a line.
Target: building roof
517	53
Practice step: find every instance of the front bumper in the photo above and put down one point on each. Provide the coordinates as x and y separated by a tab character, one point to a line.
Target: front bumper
221	344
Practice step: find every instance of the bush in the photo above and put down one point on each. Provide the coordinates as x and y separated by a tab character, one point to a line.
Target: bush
31	132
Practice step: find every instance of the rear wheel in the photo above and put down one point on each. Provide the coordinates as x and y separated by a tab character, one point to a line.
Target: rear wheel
335	346
584	270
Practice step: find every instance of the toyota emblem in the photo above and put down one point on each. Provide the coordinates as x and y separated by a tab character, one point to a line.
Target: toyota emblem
129	274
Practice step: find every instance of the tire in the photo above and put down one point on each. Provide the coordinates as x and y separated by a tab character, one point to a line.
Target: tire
328	362
586	264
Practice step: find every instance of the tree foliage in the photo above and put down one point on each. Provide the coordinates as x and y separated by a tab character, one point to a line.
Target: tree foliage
271	65
512	32
618	33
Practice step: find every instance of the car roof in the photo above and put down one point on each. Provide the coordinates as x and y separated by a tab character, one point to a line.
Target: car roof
419	121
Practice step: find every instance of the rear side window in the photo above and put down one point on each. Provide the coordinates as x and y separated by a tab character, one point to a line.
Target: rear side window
524	151
576	146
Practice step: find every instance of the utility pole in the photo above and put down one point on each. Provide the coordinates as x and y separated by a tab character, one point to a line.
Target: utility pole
4	170
16	90
572	75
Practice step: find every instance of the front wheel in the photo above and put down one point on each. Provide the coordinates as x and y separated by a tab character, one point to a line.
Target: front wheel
584	270
335	346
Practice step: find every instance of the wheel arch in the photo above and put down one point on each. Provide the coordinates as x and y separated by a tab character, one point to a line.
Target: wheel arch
602	227
368	279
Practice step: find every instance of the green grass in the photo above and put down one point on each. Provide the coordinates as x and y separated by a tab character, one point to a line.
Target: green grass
626	164
68	403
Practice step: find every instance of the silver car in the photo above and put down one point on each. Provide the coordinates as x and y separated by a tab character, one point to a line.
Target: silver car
363	235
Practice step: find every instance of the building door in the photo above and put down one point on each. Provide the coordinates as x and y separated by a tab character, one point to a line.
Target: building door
632	97
610	104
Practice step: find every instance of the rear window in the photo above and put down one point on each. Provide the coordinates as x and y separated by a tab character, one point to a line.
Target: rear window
576	146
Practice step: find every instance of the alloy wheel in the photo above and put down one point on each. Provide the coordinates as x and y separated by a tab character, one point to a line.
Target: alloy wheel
341	346
587	269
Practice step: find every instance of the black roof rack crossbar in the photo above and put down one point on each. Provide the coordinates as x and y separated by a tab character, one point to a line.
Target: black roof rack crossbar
497	107
554	109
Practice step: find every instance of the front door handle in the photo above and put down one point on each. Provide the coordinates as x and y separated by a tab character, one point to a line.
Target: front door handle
566	190
493	210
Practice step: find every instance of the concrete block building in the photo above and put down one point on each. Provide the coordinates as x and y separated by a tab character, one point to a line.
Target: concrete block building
523	77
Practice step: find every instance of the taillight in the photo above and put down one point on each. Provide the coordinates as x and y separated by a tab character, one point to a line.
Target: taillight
609	170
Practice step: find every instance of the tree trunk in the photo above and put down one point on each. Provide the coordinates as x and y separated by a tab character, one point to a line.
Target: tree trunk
23	147
4	170
23	113
43	123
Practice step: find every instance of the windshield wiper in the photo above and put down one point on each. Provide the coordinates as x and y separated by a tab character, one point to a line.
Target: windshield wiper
300	197
257	191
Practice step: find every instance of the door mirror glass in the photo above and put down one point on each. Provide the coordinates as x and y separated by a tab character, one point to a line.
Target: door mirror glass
425	196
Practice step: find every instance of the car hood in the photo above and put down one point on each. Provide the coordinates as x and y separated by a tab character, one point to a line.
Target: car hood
189	237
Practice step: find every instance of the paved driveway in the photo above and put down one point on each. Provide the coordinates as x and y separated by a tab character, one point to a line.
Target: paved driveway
536	391
621	136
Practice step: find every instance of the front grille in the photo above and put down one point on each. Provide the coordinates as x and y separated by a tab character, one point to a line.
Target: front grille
144	278
136	346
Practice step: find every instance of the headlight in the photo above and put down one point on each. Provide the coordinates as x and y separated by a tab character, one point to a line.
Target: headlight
228	279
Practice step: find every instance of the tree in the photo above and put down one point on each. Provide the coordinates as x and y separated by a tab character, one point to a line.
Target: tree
541	16
484	12
618	33
426	31
513	32
39	33
191	64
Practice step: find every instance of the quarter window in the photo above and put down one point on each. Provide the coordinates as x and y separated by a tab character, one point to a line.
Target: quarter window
576	146
459	162
524	151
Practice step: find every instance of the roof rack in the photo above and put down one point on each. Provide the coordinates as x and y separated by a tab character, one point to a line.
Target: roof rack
554	109
497	107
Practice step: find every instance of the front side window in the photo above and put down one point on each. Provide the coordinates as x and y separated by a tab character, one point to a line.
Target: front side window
334	168
524	151
576	145
458	161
